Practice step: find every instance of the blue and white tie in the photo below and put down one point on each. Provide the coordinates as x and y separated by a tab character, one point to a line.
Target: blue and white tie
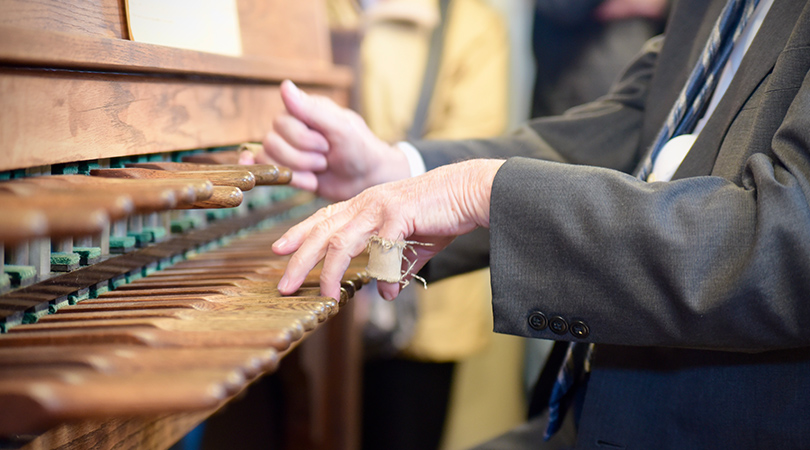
683	116
698	90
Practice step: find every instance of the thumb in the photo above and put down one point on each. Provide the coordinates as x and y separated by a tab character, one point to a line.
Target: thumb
317	112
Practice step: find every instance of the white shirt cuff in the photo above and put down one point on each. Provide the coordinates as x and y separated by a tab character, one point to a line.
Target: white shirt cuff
415	161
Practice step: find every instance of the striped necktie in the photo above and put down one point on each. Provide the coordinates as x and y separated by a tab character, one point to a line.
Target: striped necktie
697	92
683	116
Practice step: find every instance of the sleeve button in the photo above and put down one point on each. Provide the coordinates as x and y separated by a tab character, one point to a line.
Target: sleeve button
558	325
579	329
538	321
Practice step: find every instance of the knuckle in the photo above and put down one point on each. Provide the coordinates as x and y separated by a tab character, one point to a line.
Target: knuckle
320	229
339	242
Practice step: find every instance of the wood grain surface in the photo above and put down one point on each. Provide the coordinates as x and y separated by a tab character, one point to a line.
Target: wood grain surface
265	174
58	117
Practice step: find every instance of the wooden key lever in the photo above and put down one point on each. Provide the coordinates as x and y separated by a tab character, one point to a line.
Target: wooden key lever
62	220
265	174
147	195
33	402
241	179
112	359
116	205
223	197
18	225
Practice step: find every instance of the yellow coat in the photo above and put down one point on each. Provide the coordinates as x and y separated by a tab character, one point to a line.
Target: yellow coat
470	95
469	101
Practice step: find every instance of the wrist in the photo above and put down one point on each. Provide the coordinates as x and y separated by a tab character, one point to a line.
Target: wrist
474	190
416	163
392	164
484	184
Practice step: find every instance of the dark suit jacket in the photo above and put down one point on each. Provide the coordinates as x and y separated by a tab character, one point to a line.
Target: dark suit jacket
696	290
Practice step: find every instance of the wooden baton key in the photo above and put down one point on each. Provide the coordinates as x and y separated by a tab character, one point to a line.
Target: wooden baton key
241	179
265	174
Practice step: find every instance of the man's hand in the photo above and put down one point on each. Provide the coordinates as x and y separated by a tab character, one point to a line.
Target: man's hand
330	149
432	208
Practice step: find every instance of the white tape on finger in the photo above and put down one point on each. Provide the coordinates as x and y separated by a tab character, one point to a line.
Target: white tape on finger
385	260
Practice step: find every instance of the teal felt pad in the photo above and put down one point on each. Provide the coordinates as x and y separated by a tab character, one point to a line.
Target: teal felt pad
218	214
259	201
79	296
178	156
54	306
34	317
141	238
99	289
182	225
122	241
87	254
17	274
86	166
65	259
117	282
155	233
134	275
6	324
65	169
149	269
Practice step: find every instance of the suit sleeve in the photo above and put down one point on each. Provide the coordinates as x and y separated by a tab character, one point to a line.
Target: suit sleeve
701	262
622	109
603	133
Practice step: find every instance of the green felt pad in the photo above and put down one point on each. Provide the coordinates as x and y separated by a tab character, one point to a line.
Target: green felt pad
141	238
218	214
19	273
88	252
155	233
122	241
65	169
63	258
86	166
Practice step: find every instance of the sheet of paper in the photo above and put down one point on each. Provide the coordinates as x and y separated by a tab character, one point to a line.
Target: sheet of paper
202	25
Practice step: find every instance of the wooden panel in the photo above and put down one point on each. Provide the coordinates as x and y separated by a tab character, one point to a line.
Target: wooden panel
89	17
302	35
50	118
120	434
21	46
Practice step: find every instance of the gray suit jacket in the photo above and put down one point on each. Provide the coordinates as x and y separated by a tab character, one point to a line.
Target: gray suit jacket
696	289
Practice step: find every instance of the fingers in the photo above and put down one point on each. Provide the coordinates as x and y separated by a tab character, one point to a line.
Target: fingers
335	234
388	291
316	112
390	230
297	134
247	158
285	154
292	239
302	179
415	259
